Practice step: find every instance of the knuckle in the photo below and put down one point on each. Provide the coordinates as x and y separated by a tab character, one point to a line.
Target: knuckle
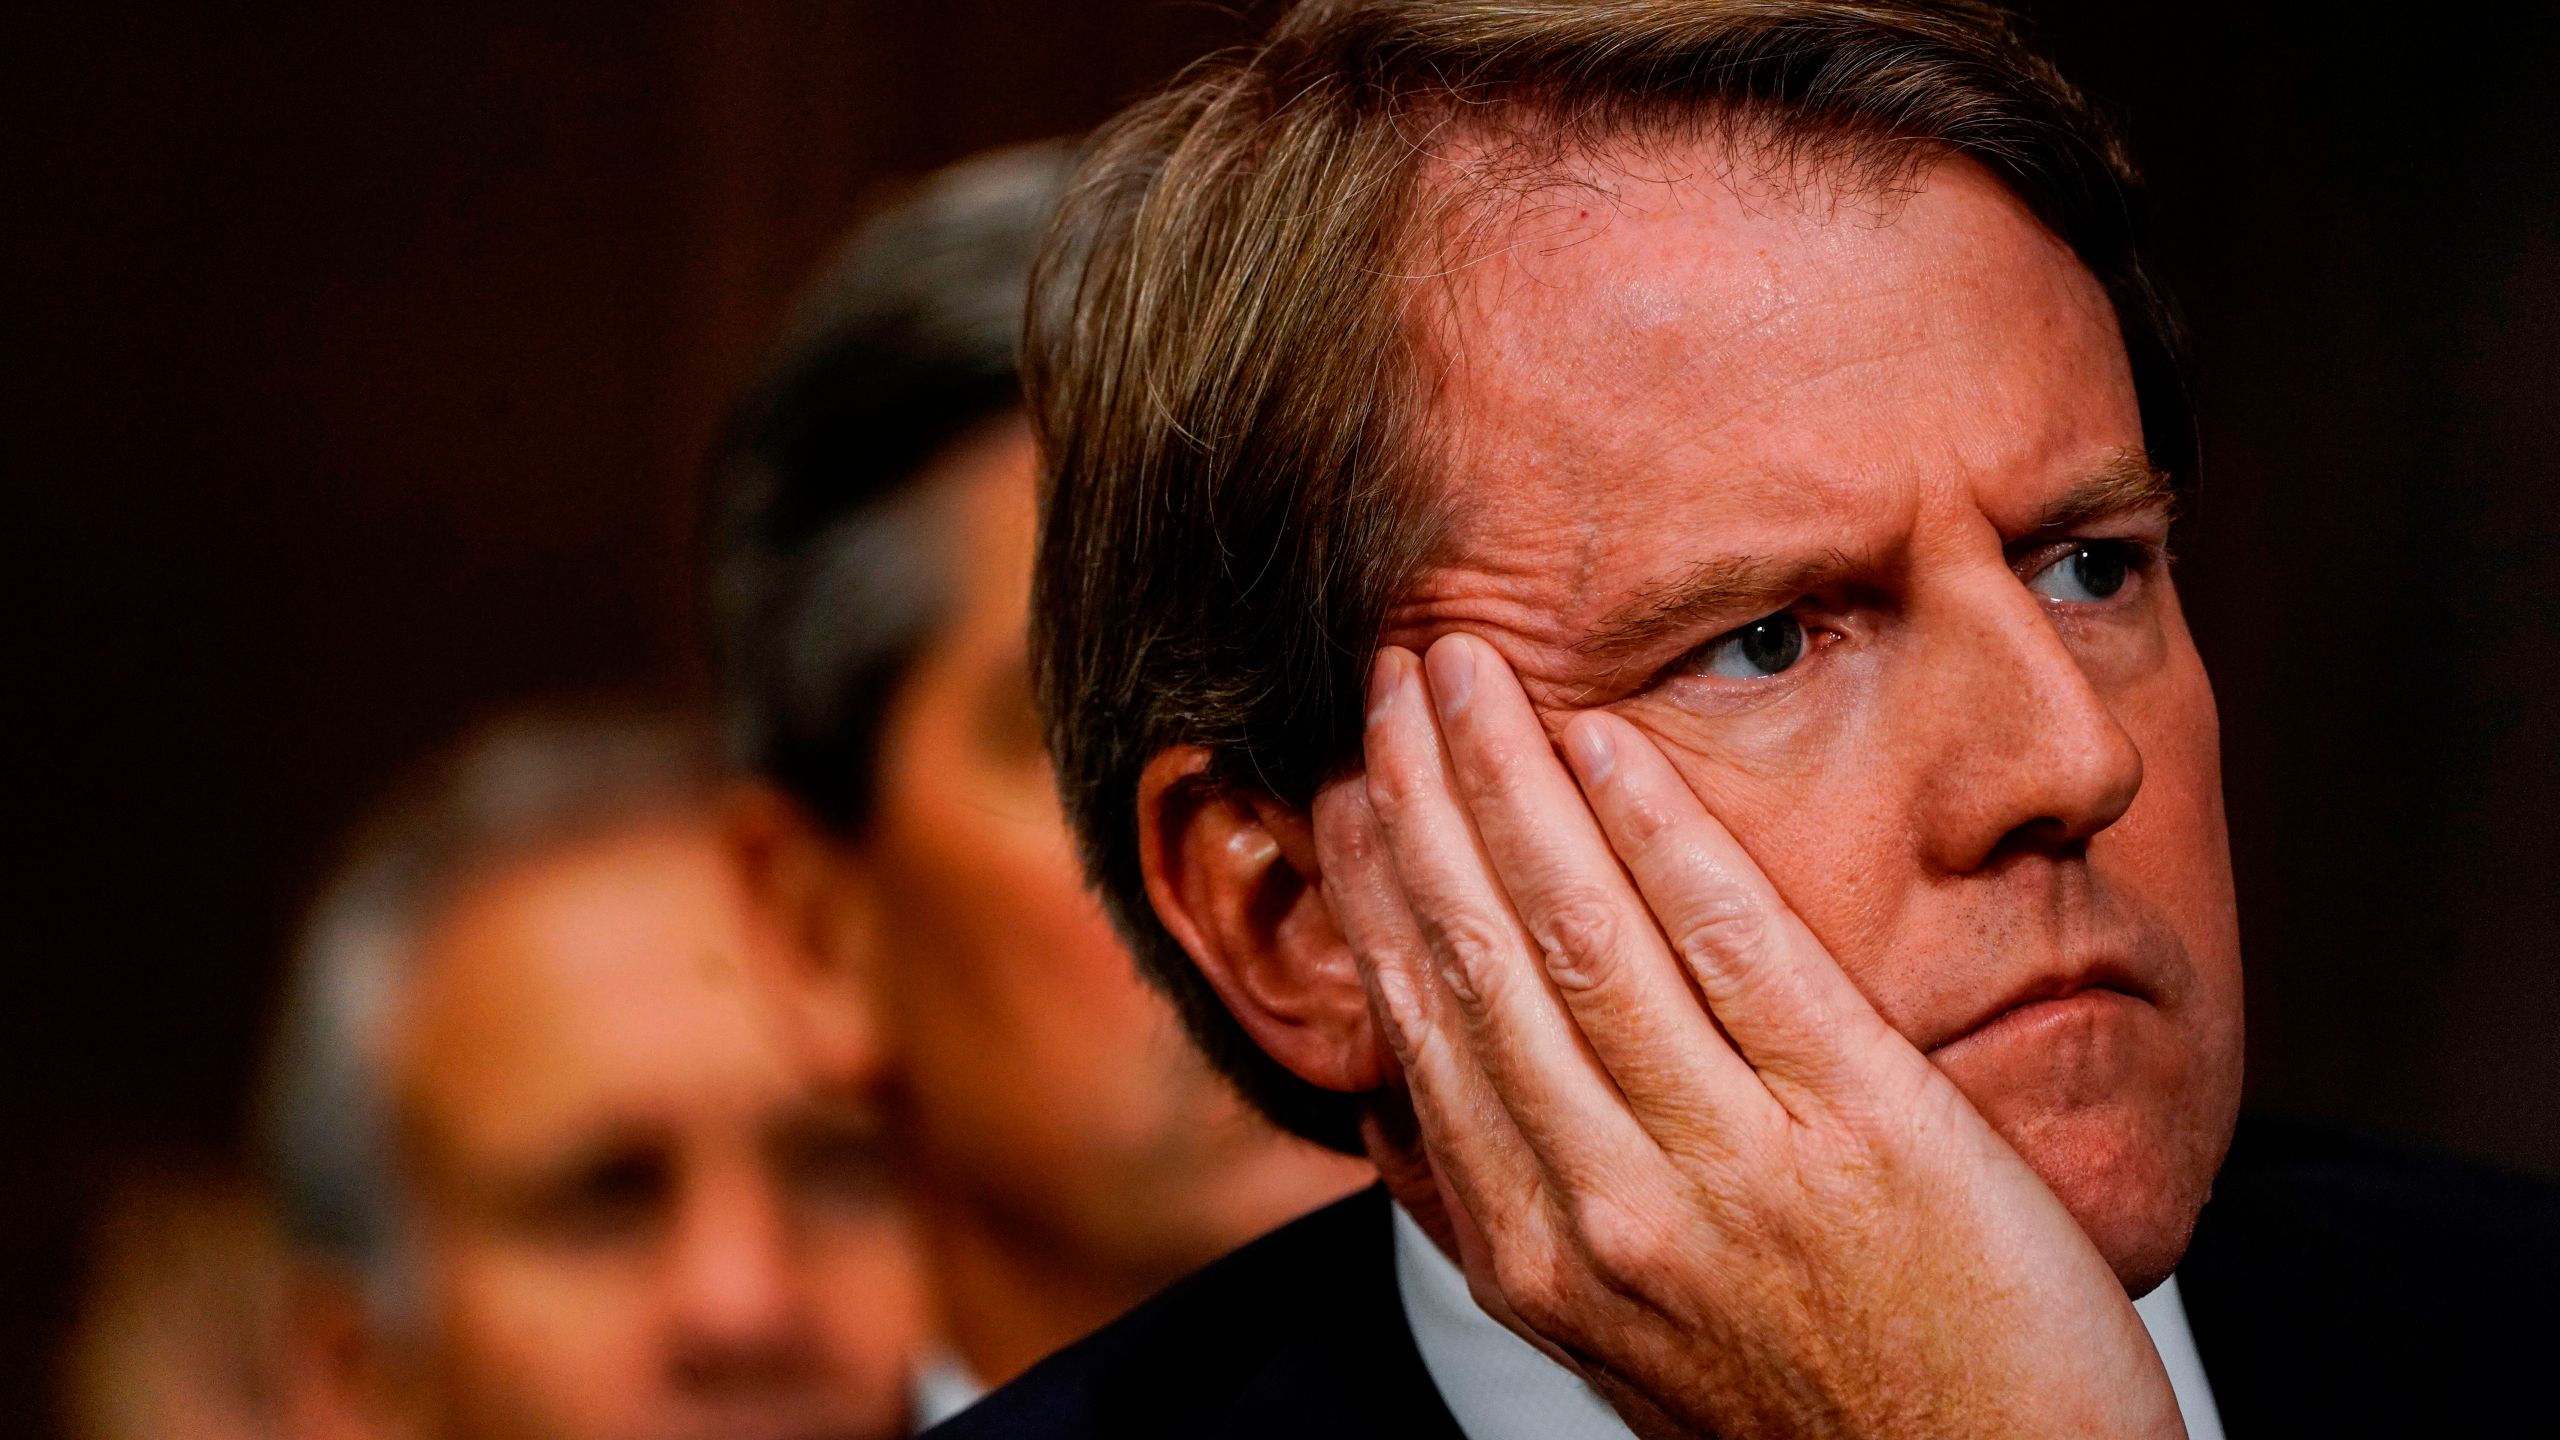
1394	790
1494	772
1532	1283
1722	935
1349	838
1471	959
1626	1246
1582	936
1400	1010
1644	824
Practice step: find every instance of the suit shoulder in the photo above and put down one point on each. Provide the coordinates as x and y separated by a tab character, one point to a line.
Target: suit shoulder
2345	1285
1298	1329
2315	1187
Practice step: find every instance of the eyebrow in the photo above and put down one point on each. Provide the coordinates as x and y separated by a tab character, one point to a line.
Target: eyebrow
1729	587
2127	483
1738	587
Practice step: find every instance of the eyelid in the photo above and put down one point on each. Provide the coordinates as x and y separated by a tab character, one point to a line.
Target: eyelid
2142	553
1685	664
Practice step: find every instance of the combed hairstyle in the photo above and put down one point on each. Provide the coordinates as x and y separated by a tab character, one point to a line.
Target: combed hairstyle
827	555
1232	384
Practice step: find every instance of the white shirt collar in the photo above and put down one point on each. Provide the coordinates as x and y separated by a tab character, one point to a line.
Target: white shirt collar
2165	1316
1500	1387
940	1385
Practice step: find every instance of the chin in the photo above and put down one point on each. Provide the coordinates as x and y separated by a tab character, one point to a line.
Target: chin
2127	1132
2135	1191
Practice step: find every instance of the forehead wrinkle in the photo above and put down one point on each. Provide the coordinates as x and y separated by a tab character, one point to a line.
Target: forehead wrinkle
1440	605
1525	615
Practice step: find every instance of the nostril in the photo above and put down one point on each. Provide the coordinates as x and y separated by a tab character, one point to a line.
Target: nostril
2046	835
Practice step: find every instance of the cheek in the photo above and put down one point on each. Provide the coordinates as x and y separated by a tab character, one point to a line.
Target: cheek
993	891
981	869
534	1340
2172	848
1030	1023
863	1282
1814	793
1842	859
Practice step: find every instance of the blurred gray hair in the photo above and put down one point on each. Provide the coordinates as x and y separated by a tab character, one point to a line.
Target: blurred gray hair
515	788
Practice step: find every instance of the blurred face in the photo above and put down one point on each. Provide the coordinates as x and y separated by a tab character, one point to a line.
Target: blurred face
636	1219
1851	516
1042	1082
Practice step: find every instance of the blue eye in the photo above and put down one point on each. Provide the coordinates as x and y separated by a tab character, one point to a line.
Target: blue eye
1765	647
2091	573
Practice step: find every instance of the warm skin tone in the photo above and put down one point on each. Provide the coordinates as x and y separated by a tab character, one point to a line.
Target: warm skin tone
635	1218
1070	1152
1804	646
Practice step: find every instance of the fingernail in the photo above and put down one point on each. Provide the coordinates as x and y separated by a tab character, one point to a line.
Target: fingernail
1592	751
1452	665
1382	681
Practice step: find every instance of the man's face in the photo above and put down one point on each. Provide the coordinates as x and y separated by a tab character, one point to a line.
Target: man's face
635	1219
1039	1076
1850	515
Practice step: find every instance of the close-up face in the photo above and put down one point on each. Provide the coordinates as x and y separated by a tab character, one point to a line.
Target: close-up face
635	1218
1846	507
1035	1067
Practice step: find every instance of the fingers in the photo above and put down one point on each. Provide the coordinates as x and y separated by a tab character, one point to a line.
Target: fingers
1598	945
1478	1151
1791	1010
1500	1014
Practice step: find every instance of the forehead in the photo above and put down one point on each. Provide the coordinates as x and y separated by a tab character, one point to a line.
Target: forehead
1664	360
609	980
985	484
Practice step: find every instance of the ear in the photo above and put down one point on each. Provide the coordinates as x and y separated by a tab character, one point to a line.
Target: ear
814	899
1234	878
337	1376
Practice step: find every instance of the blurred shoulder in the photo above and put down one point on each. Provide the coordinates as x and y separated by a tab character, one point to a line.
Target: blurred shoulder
2368	1286
2309	1187
1299	1330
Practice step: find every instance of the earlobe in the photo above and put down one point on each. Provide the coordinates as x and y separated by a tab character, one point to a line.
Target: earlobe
814	911
336	1380
1234	877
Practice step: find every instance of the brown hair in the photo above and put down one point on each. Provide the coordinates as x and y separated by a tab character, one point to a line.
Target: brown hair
1232	399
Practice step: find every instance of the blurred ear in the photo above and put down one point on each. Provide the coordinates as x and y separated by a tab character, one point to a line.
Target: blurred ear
1234	878
816	906
338	1378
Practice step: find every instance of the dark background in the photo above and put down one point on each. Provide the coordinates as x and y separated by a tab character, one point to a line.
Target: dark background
357	359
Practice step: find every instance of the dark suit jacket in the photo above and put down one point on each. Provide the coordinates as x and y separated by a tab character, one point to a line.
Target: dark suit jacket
2336	1287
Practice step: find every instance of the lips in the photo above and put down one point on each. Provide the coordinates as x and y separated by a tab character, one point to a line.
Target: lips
2101	980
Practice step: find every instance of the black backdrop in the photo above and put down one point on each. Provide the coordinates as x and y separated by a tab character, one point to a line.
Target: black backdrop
356	357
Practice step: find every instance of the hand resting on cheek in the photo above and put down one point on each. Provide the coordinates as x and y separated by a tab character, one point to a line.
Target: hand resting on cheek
1679	1148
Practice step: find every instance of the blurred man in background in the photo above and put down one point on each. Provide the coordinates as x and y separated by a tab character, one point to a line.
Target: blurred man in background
1067	1151
551	1165
178	1316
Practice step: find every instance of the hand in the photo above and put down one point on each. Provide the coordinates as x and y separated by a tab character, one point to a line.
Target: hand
1682	1149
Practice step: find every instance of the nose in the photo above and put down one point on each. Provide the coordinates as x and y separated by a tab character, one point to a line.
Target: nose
736	1298
2026	753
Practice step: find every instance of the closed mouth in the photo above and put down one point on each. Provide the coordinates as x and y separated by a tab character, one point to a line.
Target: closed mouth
2106	983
